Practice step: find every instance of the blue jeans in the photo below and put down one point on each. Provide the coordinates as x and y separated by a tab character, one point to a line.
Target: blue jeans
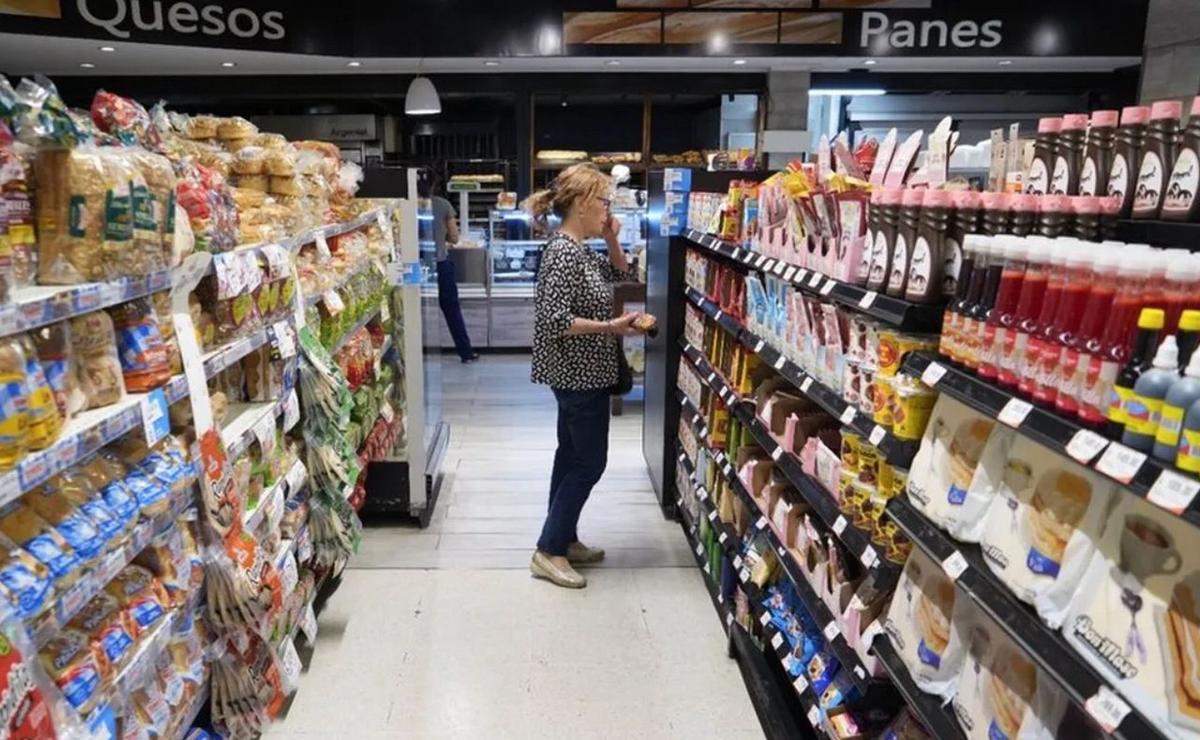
448	300
579	462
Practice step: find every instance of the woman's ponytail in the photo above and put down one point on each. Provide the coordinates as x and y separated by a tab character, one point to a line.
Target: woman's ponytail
574	184
539	206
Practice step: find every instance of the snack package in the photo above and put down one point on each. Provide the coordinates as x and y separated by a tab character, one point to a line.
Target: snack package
97	364
14	405
45	422
145	363
53	344
1135	616
947	482
31	714
76	528
69	661
22	527
141	596
1001	694
1046	515
108	630
919	624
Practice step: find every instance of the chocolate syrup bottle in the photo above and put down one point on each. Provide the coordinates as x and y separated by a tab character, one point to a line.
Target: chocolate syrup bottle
1180	202
1045	146
885	238
1158	158
1068	157
927	264
1086	210
1127	156
1024	214
1097	158
965	221
1054	215
994	216
906	238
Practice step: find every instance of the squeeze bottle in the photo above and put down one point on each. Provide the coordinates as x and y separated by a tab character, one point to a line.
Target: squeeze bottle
1182	395
1144	409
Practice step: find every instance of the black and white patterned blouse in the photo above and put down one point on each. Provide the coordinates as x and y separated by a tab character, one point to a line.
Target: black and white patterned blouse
574	282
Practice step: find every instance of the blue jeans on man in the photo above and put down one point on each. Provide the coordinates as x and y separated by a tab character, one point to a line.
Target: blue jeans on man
452	310
579	461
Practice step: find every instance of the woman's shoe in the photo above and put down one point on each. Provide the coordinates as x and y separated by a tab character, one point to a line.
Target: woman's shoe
579	553
544	566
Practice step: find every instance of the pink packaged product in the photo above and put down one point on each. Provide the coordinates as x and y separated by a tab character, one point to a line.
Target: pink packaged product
851	237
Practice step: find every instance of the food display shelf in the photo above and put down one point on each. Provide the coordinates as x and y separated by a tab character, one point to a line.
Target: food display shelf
1161	484
271	502
362	322
938	718
778	646
188	718
900	314
898	452
1044	646
1170	234
37	306
245	421
857	541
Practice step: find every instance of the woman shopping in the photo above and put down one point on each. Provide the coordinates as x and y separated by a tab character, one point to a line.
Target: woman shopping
576	343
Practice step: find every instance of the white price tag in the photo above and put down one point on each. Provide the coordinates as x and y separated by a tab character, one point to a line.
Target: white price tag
955	565
290	666
724	538
867	300
848	415
322	247
712	515
814	716
1120	462
737	562
1085	445
291	410
815	280
758	347
800	276
387	412
869	557
808	383
385	310
1015	412
711	376
720	314
761	523
728	620
791	273
264	432
758	263
308	625
877	435
1107	709
744	575
295	477
779	362
304	549
828	287
768	266
286	342
933	373
839	525
1173	492
333	302
800	684
154	412
765	619
777	453
780	267
831	631
699	550
728	471
777	640
289	575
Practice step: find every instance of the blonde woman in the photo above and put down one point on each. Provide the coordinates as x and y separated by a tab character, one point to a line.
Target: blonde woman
575	346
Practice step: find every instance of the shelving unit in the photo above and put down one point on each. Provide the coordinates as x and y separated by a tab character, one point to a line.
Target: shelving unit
1169	234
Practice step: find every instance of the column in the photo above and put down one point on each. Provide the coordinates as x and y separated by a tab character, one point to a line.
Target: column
1171	61
786	133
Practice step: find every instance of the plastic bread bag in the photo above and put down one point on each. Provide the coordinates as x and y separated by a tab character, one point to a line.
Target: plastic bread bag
97	365
15	169
145	363
141	596
45	422
1000	693
52	344
1042	526
250	160
1135	616
235	128
919	625
154	209
69	661
166	326
22	527
109	632
280	162
75	527
961	457
121	117
14	405
170	564
79	488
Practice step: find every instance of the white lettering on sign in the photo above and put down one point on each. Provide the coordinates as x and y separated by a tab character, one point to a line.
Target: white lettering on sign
181	17
879	33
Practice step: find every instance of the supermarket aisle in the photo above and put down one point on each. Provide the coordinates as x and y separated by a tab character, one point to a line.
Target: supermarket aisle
443	634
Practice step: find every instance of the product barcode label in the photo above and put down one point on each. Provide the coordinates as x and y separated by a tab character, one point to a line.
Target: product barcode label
867	300
777	640
808	382
1085	445
848	415
831	631
1120	462
1173	492
1015	412
1107	709
839	525
954	565
877	435
933	373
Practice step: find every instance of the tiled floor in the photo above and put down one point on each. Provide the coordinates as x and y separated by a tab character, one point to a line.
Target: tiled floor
441	633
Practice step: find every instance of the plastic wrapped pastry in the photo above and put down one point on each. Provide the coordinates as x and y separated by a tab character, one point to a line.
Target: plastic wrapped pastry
97	366
69	661
919	624
141	596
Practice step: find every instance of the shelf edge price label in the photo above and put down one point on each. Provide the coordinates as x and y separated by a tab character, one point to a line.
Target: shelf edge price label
1085	445
815	280
848	415
724	538
831	631
877	435
779	362
1015	412
156	422
737	562
791	273
955	565
1120	462
808	383
712	515
777	453
800	684
1173	492
869	558
867	300
839	525
828	287
758	347
761	523
780	268
933	374
814	716
284	339
765	619
801	274
777	640
1108	709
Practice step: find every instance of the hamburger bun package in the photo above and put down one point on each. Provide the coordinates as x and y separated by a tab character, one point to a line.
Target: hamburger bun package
1000	693
1042	525
947	481
1136	614
920	624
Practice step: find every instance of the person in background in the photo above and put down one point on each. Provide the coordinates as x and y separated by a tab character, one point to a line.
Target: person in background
575	352
445	233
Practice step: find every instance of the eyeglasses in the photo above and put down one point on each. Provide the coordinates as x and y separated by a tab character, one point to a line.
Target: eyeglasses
607	203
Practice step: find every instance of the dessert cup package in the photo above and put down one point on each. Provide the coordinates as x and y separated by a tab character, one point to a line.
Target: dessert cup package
952	476
919	624
1046	515
1136	614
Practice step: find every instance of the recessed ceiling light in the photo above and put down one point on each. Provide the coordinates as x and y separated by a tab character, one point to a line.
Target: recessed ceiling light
108	48
87	65
491	63
739	62
1004	62
228	64
869	62
613	62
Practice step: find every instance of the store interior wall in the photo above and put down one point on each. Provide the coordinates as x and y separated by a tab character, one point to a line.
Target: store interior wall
787	117
1171	65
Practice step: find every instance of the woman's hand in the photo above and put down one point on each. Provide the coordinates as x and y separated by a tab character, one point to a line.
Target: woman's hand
612	229
623	326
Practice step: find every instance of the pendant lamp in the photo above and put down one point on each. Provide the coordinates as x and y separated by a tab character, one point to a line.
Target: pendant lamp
422	98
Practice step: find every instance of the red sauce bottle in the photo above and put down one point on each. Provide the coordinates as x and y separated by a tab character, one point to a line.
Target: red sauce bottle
1158	158
1041	328
1076	355
1002	316
1106	356
1027	311
1067	318
1127	157
1068	157
1097	157
1045	146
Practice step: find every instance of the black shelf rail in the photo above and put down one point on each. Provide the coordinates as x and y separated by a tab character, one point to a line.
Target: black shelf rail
938	718
857	541
1170	234
821	613
1043	645
898	452
903	315
1142	475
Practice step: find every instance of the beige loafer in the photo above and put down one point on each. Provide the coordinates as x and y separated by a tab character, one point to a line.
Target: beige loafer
579	553
541	566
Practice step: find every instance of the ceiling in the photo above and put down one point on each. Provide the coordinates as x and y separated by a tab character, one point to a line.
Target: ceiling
24	54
